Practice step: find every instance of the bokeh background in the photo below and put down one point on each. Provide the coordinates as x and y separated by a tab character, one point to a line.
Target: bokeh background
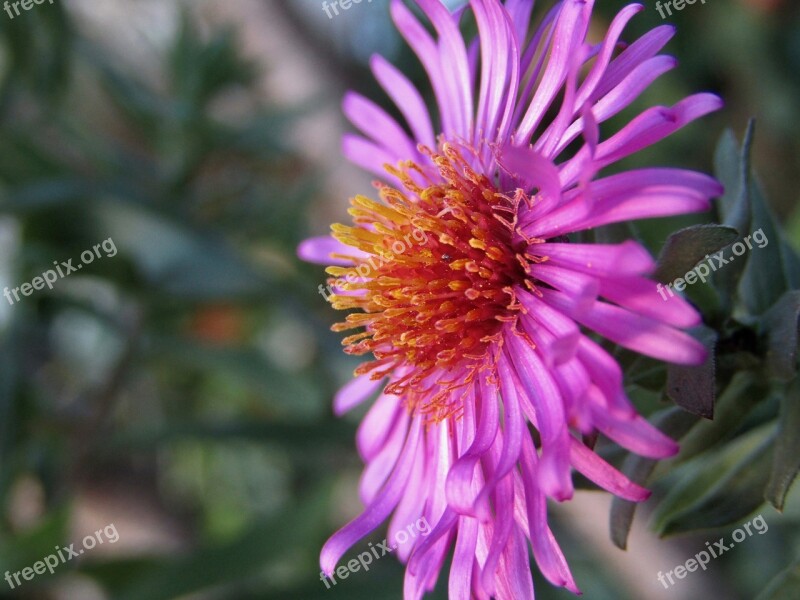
181	389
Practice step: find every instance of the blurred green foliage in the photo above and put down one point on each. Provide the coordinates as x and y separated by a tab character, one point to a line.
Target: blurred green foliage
192	372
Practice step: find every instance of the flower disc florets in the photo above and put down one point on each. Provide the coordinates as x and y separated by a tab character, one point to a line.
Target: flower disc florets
435	274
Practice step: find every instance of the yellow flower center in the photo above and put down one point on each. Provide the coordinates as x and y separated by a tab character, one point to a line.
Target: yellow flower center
436	284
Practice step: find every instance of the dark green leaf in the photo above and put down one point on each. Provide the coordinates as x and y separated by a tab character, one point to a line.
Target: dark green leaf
786	586
764	279
734	405
675	422
732	168
786	462
686	248
726	488
694	387
782	323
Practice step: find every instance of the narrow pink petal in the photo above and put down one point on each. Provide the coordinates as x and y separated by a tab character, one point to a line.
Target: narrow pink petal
407	99
539	388
642	49
318	250
606	51
459	585
455	66
375	123
514	579
377	424
605	372
410	510
581	288
591	212
546	551
519	11
503	526
379	468
633	331
376	512
512	444
459	481
570	31
622	96
564	329
603	474
369	156
638	294
499	72
636	435
354	392
600	260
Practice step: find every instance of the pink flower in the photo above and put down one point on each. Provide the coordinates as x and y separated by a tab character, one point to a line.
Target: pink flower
466	289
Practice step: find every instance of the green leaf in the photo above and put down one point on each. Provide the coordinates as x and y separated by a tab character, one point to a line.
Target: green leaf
722	489
744	392
675	422
758	270
782	323
764	278
732	168
686	248
694	387
786	586
786	462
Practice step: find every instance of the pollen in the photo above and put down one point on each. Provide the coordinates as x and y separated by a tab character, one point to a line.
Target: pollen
433	276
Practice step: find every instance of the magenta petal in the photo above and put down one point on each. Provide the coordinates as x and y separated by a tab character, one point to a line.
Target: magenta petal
601	260
548	555
377	424
375	123
603	474
319	250
638	294
354	392
637	435
459	585
514	580
379	468
406	97
460	495
512	444
376	512
503	526
634	331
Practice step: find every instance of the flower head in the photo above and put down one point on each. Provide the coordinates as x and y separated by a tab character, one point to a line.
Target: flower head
472	300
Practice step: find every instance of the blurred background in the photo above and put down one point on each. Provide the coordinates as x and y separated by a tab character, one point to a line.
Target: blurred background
180	389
